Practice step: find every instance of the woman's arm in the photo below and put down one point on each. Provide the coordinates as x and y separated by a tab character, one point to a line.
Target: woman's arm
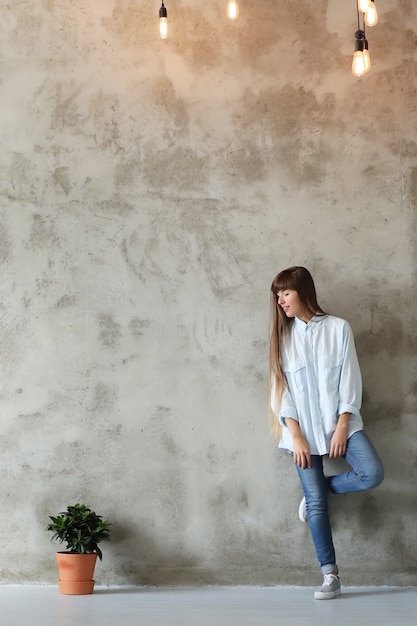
301	448
350	383
339	439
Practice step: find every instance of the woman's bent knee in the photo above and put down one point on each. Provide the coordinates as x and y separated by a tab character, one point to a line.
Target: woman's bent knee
375	476
378	476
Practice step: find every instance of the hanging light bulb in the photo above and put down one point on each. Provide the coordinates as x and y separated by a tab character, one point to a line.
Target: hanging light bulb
371	15
363	5
163	21
232	10
366	57
358	63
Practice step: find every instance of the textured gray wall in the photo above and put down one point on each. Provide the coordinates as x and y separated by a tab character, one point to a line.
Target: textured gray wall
150	191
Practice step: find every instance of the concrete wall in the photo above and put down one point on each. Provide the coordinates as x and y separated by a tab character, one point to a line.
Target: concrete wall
150	191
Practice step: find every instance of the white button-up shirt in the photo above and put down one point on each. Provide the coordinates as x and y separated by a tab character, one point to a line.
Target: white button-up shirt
324	380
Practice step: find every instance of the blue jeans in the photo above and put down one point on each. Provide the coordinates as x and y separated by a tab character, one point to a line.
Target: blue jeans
367	472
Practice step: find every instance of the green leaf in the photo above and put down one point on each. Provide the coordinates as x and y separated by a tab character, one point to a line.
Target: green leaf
80	528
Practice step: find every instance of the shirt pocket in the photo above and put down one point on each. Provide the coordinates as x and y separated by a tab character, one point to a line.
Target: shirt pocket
330	368
296	375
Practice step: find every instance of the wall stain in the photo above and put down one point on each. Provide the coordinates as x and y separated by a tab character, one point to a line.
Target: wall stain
66	113
261	44
370	517
42	233
131	23
174	108
290	125
105	116
127	254
127	173
413	188
178	168
109	330
61	177
138	326
173	243
5	243
65	301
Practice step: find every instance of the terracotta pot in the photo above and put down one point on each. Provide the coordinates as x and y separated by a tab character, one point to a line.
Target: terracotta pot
76	572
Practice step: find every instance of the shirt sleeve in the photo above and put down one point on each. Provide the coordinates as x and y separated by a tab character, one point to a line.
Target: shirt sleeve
350	385
287	408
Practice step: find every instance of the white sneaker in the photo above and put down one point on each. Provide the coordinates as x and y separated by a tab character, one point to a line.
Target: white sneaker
302	511
329	589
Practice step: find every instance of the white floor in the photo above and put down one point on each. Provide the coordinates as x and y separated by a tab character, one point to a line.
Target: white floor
38	605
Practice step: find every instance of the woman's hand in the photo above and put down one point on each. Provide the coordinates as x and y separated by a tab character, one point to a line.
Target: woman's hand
302	456
339	440
338	444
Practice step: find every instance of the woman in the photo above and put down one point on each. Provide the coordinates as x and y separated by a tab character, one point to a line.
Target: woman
316	390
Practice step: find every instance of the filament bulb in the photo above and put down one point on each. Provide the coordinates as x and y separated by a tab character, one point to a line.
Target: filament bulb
358	64
371	15
163	21
366	60
363	5
232	10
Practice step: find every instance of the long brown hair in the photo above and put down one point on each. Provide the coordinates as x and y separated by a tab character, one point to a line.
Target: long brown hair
300	280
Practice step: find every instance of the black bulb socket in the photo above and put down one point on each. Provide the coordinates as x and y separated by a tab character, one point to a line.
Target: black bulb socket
162	11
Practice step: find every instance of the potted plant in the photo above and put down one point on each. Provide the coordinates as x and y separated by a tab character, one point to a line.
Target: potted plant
82	530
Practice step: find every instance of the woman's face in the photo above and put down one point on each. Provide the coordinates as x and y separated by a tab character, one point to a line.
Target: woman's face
291	304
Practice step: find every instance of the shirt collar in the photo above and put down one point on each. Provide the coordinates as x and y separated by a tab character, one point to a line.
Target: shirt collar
313	324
